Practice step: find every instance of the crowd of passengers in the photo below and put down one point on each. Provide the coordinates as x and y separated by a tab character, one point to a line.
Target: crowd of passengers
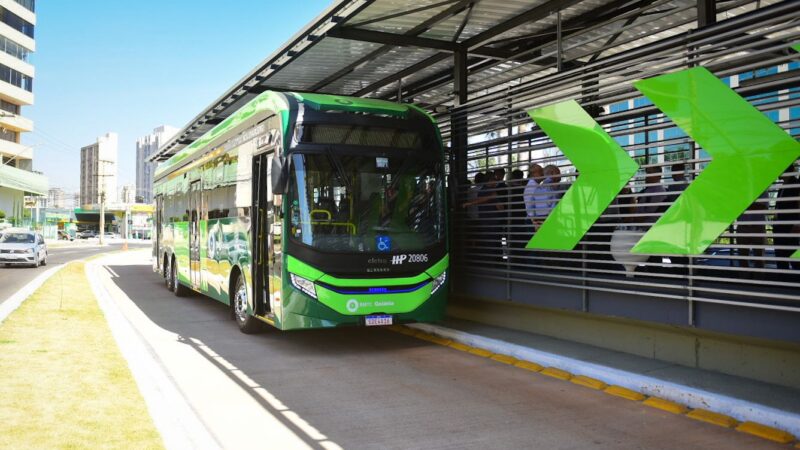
512	209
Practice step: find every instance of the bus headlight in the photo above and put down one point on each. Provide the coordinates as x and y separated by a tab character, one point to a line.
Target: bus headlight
438	282
304	285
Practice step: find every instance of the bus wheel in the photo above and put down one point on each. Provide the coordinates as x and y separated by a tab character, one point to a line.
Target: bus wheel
167	274
247	323
177	288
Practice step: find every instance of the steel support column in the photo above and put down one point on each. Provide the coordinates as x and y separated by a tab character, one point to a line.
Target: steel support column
458	118
706	12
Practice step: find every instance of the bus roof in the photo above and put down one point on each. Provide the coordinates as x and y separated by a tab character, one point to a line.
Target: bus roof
282	103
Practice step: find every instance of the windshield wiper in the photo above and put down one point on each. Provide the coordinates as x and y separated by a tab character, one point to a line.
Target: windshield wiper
339	168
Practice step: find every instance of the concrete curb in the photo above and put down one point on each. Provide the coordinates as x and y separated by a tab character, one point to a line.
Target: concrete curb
694	398
178	423
14	302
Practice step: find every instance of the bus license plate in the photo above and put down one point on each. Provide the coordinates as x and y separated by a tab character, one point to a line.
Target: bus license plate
378	320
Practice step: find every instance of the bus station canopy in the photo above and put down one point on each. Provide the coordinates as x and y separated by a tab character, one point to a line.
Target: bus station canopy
407	50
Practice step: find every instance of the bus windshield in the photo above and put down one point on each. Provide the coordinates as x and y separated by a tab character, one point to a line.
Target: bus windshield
367	202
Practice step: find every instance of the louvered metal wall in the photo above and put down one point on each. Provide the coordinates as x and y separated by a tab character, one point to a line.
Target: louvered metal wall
745	283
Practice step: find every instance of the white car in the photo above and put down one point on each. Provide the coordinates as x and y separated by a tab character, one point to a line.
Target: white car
22	247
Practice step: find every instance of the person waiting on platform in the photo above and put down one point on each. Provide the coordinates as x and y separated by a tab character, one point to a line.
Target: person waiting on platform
652	198
541	198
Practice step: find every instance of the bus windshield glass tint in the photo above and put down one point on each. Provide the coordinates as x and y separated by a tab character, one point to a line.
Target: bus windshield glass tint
358	135
367	202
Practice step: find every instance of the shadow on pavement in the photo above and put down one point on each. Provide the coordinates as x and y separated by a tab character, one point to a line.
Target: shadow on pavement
374	388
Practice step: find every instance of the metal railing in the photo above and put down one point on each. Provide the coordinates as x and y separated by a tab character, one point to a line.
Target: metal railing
748	265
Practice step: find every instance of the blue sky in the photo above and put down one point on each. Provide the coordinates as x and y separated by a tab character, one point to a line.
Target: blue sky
129	67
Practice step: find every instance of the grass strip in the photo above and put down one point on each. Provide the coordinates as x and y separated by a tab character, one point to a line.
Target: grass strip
64	382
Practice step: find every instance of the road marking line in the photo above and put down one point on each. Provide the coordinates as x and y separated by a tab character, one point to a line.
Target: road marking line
529	365
625	393
179	424
556	373
763	431
666	405
459	346
505	359
480	352
486	347
711	417
433	338
618	379
589	382
22	294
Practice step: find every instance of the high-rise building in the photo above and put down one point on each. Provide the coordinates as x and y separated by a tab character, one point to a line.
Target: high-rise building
56	198
17	22
145	146
128	194
99	170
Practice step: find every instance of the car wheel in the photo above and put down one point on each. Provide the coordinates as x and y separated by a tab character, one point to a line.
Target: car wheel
44	261
177	288
36	262
247	323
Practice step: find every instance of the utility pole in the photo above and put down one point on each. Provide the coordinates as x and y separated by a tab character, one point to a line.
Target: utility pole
102	188
102	215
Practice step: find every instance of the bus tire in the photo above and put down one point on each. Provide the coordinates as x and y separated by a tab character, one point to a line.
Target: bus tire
167	273
247	323
177	288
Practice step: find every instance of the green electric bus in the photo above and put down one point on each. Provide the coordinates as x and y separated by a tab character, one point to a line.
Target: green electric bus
309	211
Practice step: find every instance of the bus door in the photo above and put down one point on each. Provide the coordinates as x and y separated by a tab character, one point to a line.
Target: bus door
194	233
261	216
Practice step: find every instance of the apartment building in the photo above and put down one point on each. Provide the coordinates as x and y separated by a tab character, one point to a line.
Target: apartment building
17	179
145	146
99	170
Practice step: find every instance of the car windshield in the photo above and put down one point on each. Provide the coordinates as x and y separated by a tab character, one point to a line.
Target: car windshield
369	202
17	238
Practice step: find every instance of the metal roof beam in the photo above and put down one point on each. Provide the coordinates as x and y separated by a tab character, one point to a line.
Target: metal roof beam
380	37
417	30
587	19
439	57
402	13
533	14
402	40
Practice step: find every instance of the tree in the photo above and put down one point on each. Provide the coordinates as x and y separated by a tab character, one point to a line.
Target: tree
2	214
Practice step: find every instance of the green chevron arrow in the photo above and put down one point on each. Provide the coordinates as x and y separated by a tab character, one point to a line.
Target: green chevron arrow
604	169
796	254
749	152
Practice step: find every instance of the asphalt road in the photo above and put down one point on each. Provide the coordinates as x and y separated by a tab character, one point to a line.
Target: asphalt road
12	278
374	388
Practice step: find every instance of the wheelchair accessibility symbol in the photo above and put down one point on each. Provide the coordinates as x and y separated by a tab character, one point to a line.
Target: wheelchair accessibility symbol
383	243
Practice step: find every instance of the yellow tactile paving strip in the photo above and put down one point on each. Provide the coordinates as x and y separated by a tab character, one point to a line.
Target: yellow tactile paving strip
755	429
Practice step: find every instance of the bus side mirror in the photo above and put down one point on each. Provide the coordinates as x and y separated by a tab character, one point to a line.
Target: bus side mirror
279	173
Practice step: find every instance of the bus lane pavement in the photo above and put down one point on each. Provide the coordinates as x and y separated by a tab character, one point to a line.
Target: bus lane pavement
371	387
